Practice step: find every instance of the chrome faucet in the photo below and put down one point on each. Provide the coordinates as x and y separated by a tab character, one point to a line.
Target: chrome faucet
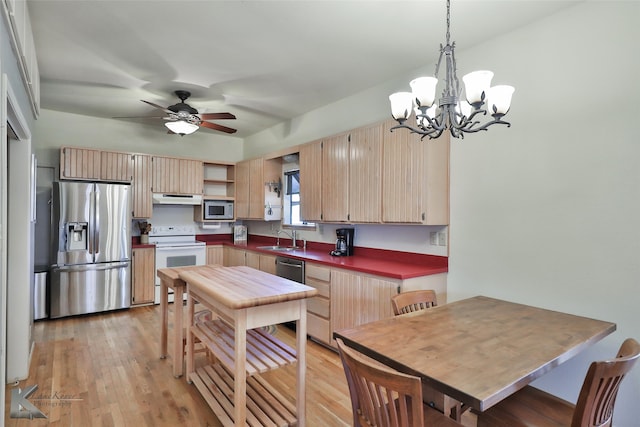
293	236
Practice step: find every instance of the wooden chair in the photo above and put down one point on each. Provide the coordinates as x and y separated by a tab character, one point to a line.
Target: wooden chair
381	396
533	407
408	302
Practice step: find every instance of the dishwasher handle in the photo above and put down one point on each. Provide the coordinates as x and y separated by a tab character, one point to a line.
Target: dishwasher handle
288	264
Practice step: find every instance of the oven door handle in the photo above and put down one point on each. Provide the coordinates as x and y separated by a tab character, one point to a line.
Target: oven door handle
178	248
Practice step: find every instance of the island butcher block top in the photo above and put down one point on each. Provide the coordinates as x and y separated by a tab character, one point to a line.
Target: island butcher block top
243	287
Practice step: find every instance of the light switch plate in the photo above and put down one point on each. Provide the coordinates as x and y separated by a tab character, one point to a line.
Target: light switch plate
433	238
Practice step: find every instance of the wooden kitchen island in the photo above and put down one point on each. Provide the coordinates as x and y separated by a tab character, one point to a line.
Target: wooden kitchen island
243	301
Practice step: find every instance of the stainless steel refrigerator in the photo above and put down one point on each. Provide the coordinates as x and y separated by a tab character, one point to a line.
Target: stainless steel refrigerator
91	247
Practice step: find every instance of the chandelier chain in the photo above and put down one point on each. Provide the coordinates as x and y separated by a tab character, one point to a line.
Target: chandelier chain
448	20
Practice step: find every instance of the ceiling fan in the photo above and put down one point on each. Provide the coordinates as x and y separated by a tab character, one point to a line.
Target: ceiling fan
183	119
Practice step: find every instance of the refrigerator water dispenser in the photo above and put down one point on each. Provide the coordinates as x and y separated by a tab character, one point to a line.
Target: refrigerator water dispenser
77	236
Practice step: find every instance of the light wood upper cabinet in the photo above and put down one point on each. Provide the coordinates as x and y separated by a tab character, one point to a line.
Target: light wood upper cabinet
79	163
177	176
116	166
95	165
351	176
143	268
166	175
243	171
191	176
311	181
256	188
250	187
365	180
415	178
141	187
335	178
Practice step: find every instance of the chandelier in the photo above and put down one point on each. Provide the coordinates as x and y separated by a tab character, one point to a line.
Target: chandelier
459	116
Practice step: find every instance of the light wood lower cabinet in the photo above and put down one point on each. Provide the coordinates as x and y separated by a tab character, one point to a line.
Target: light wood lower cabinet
143	267
215	254
346	298
357	299
319	307
233	257
268	264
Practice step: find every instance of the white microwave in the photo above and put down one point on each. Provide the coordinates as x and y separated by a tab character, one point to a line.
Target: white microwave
217	209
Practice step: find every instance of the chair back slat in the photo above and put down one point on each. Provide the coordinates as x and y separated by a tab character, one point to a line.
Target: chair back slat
381	396
411	301
597	398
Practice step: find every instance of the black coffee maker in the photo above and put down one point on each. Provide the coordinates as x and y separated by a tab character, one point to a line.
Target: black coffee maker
344	242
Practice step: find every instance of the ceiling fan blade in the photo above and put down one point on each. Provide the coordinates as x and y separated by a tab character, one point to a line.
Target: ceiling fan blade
157	106
218	127
141	117
216	116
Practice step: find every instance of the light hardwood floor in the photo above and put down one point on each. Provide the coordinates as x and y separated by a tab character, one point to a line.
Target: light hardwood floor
105	370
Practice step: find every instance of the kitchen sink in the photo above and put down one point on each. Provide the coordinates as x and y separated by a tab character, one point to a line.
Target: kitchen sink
279	248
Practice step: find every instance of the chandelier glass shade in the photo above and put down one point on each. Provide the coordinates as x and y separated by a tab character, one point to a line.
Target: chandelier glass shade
451	112
181	127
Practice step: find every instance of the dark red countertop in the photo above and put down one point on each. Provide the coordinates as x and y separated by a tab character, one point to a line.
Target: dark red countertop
386	263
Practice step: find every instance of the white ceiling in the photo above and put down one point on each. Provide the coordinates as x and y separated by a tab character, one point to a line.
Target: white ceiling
264	61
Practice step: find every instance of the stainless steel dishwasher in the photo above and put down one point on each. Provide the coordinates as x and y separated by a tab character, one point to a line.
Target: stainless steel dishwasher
292	269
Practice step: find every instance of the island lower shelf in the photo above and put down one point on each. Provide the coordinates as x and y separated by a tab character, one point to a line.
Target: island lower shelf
264	352
265	405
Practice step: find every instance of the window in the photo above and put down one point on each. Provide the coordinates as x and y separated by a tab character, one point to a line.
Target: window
292	200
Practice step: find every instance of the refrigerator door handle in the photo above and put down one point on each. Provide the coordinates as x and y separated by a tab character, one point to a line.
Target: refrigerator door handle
96	223
91	267
92	226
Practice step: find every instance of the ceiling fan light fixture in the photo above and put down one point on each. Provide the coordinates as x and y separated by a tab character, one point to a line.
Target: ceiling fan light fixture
181	127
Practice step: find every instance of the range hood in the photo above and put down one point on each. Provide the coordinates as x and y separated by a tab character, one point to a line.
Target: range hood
177	199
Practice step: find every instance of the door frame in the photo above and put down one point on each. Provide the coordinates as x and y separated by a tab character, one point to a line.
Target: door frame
10	115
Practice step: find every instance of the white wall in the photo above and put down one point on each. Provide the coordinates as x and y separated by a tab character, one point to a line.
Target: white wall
546	212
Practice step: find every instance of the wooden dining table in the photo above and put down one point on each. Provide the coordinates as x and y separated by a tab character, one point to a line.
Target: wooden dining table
473	353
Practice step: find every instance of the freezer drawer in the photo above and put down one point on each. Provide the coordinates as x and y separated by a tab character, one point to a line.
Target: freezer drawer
90	289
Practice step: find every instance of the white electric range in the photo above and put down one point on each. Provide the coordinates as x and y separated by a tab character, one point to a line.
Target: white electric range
176	246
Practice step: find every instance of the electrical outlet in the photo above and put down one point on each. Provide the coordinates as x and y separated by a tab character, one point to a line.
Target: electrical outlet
442	238
433	238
